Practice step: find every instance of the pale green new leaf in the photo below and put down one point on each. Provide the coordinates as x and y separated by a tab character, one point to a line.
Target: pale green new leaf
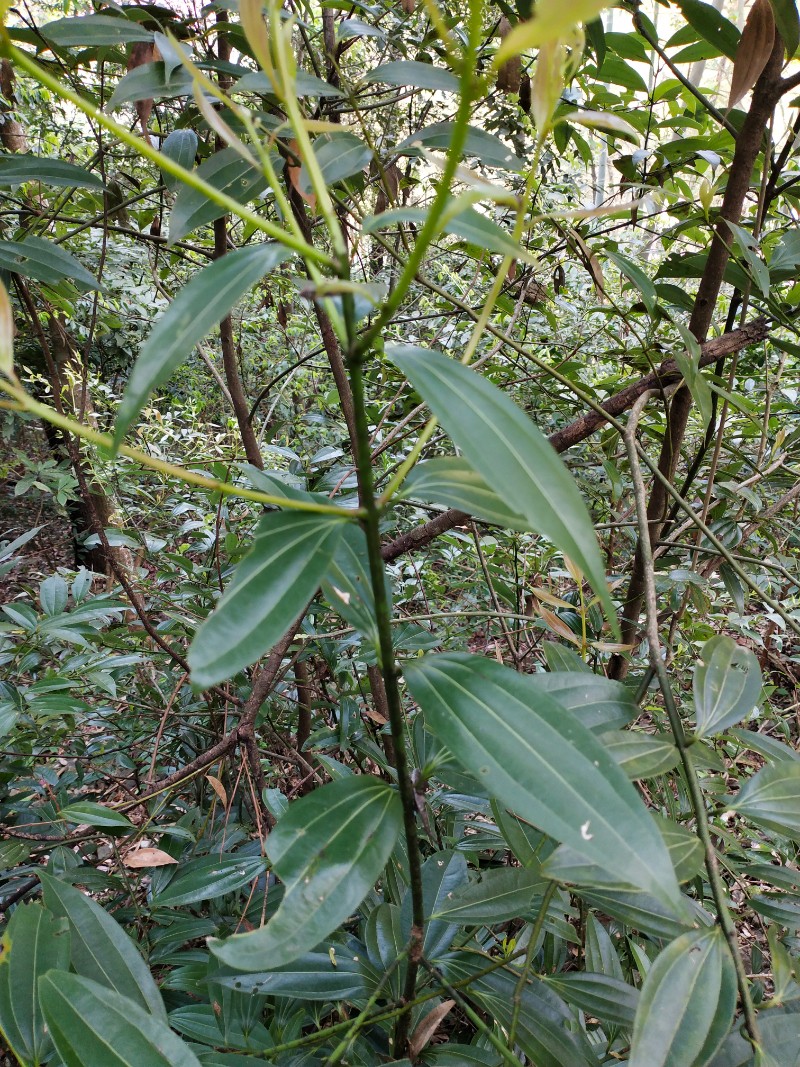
328	850
92	1026
101	950
543	764
270	588
33	942
553	19
506	448
199	306
727	684
687	1003
771	798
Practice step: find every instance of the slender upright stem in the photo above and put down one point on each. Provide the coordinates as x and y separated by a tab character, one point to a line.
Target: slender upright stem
695	792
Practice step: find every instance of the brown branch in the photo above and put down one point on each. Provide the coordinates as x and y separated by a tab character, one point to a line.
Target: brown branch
586	425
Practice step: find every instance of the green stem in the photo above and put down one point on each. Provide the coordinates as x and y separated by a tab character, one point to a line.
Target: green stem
695	791
526	967
103	440
189	178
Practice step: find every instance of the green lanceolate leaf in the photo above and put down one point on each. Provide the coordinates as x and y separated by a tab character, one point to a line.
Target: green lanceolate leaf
270	588
771	798
637	276
100	949
195	311
727	684
148	82
687	1003
33	942
788	23
328	850
24	167
44	261
607	998
339	156
94	31
92	1026
639	755
87	813
502	444
543	764
410	72
347	584
450	480
227	172
332	974
490	150
601	704
207	878
502	894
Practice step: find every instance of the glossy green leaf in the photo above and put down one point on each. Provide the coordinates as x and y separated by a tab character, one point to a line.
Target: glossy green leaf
544	765
640	755
787	22
332	974
33	942
270	588
644	912
443	874
199	306
92	1026
181	147
101	950
227	172
771	798
506	448
687	1003
209	877
24	167
600	995
727	685
410	72
600	703
347	584
86	812
328	850
778	908
490	150
34	257
339	156
502	894
94	31
151	81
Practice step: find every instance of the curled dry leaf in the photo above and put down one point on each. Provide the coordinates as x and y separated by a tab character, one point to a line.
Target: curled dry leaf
218	788
428	1027
148	857
755	47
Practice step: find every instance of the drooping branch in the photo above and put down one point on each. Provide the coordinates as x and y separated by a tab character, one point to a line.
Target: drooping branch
583	427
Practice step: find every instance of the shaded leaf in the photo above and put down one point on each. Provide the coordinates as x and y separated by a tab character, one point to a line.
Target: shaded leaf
150	81
181	147
339	156
333	974
727	685
271	586
86	812
640	755
94	31
544	765
490	150
420	75
501	894
328	850
609	999
33	942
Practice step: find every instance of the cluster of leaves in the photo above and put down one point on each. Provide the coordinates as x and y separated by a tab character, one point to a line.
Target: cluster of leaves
486	859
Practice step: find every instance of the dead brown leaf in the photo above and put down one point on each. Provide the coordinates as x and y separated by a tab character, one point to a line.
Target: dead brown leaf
755	48
148	857
427	1028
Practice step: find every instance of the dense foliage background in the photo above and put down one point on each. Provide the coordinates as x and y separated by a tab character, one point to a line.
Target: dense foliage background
399	578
